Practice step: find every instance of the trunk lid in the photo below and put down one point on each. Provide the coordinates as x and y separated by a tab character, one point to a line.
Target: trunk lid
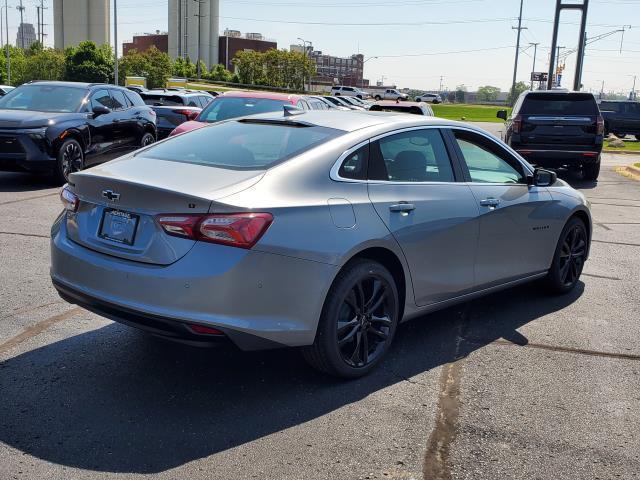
125	195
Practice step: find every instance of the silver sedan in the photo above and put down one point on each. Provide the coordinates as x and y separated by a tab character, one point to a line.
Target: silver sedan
322	230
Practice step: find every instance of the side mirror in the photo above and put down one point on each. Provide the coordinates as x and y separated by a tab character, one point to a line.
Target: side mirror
502	114
100	110
544	178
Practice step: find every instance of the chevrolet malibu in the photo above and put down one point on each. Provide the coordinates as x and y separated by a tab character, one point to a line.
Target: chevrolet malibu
321	230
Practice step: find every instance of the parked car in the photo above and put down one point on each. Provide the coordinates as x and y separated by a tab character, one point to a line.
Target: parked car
240	104
557	129
4	89
621	117
417	108
342	103
329	103
321	230
177	98
390	94
429	98
353	101
339	90
315	103
137	88
63	127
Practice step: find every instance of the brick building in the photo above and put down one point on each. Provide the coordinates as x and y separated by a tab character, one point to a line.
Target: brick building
142	43
233	42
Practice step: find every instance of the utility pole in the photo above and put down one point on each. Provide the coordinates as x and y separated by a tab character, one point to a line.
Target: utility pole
515	65
632	95
41	25
20	8
602	90
115	37
6	27
441	79
38	12
533	68
199	16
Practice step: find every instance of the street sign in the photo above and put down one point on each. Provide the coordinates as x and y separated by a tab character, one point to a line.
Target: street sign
539	76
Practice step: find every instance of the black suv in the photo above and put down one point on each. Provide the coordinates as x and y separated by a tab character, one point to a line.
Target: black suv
62	127
174	107
557	129
621	117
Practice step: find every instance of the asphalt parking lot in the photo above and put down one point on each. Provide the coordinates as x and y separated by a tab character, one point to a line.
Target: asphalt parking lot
515	385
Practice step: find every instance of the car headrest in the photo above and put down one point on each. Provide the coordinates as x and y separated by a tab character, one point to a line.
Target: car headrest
410	165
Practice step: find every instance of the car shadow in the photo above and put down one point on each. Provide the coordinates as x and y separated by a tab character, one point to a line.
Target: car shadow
115	400
24	182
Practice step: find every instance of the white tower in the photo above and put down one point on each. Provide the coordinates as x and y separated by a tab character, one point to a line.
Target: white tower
194	29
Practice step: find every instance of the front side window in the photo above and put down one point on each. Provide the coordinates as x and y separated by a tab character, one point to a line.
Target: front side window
44	98
414	156
101	98
241	145
487	162
119	102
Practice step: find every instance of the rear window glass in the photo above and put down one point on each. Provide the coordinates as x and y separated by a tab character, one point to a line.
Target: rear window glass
400	108
224	108
159	100
559	104
241	145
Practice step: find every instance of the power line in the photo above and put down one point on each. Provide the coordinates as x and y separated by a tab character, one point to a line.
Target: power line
374	24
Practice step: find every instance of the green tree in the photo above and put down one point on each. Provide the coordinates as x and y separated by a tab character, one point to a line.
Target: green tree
133	64
488	93
220	74
89	63
18	65
159	67
515	92
44	64
276	68
461	93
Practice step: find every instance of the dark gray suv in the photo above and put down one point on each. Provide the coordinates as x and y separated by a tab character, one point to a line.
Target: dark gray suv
557	128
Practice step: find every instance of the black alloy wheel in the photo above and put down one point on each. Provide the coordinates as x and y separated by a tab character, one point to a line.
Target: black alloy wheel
147	139
358	321
569	258
70	159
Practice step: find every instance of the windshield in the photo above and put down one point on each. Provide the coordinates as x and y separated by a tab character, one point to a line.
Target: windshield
44	98
224	108
241	145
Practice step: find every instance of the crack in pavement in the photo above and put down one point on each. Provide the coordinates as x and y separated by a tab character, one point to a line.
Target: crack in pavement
600	276
29	198
437	465
617	243
614	204
36	235
33	330
556	348
602	225
31	309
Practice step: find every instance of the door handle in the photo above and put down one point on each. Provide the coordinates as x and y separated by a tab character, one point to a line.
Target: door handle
402	207
490	202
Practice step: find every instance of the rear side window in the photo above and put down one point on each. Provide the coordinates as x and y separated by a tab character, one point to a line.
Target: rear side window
241	145
559	104
354	166
414	156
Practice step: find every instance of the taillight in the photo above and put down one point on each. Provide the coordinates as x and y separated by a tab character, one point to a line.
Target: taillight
517	124
204	330
190	114
600	130
69	200
241	230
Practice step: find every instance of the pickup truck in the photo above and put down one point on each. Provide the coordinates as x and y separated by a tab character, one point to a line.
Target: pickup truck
621	118
390	94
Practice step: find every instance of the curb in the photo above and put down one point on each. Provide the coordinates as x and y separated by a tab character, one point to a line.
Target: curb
629	171
621	152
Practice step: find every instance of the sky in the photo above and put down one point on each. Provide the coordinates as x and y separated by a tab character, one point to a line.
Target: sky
467	42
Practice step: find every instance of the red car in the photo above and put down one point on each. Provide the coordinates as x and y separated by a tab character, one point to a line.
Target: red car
239	104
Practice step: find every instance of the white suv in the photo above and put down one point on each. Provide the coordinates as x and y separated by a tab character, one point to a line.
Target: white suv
429	98
390	94
339	90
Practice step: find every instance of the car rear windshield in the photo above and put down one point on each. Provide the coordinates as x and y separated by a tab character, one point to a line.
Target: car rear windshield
162	100
241	145
44	98
559	104
224	108
399	108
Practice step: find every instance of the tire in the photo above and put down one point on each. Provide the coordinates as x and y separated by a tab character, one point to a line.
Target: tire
418	99
70	158
591	171
378	97
638	137
359	96
569	257
340	350
147	139
337	94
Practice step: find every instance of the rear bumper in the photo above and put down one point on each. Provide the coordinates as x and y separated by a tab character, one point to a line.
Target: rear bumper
259	300
554	157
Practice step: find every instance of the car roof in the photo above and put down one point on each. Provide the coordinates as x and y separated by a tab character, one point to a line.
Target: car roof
287	97
603	100
173	93
66	84
353	120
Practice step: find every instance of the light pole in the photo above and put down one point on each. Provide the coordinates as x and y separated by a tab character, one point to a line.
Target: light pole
365	61
533	68
6	27
515	63
115	37
304	47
